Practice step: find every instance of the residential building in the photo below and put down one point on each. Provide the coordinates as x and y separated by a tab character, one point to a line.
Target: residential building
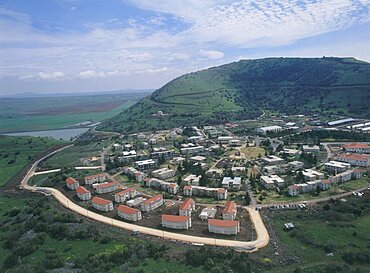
187	207
219	193
232	183
224	139
197	158
164	173
361	160
173	188
226	227
271	170
152	203
176	221
342	177
145	164
230	210
139	176
108	187
192	150
358	173
336	166
267	129
208	213
269	182
124	195
83	193
127	156
272	160
163	154
295	165
238	170
216	173
72	183
192	179
310	175
311	149
96	178
290	152
360	148
102	204
128	213
293	190
326	184
136	202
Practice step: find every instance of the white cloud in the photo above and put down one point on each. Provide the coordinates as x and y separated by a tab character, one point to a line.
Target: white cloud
50	76
26	77
211	54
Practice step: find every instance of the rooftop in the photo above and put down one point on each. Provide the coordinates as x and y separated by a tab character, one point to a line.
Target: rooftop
127	210
186	204
100	201
174	218
222	223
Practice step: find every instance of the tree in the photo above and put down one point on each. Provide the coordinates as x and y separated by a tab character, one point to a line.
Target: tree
247	199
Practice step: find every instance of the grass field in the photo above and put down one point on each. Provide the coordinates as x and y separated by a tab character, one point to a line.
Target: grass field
339	228
16	152
30	114
253	152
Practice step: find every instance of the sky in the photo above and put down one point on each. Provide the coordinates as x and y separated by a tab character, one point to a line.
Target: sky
60	46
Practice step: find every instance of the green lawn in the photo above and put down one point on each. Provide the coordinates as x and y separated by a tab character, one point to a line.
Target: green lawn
355	184
16	152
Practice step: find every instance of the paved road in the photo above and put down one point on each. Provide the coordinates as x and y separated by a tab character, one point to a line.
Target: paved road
261	231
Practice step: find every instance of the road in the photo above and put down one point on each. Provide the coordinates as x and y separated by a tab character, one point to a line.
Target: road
250	246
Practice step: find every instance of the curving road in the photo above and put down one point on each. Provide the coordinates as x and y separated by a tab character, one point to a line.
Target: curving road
250	246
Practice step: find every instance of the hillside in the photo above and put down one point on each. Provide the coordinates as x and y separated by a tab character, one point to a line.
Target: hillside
242	89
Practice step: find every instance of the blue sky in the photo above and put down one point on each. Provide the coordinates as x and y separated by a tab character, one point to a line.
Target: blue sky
95	45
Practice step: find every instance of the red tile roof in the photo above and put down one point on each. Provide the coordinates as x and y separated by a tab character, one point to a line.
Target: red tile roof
356	146
94	175
172	185
360	157
230	207
187	187
221	190
71	180
222	223
326	181
110	184
359	171
174	218
125	191
100	201
186	204
294	187
154	199
127	210
82	190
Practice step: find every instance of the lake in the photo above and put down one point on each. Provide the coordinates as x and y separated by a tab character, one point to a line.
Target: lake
65	134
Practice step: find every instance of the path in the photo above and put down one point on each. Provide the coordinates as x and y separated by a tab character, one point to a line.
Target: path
255	217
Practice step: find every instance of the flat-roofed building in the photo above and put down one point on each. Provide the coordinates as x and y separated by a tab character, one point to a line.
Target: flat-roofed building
295	165
272	160
310	175
216	173
176	221
311	149
145	164
152	203
268	129
96	178
164	173
232	183
108	187
192	150
226	227
129	213
192	179
102	204
230	210
336	166
72	183
269	182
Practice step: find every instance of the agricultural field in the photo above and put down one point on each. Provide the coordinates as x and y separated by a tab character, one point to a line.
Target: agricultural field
17	152
32	114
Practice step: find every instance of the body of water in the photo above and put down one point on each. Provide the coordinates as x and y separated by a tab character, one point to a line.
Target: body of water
65	134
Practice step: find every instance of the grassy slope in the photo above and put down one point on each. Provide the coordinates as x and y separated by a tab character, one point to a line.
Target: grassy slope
21	150
239	90
28	114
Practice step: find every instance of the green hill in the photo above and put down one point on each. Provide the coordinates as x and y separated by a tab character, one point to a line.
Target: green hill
242	89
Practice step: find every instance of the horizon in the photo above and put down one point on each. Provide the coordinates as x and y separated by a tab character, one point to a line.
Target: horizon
89	46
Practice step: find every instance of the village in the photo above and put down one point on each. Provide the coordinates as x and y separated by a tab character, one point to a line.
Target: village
199	180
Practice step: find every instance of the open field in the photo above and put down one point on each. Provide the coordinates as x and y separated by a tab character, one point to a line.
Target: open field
16	152
334	235
253	152
30	114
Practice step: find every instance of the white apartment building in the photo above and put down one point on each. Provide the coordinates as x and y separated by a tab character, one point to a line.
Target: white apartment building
102	204
226	227
108	187
176	221
128	213
152	203
83	193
